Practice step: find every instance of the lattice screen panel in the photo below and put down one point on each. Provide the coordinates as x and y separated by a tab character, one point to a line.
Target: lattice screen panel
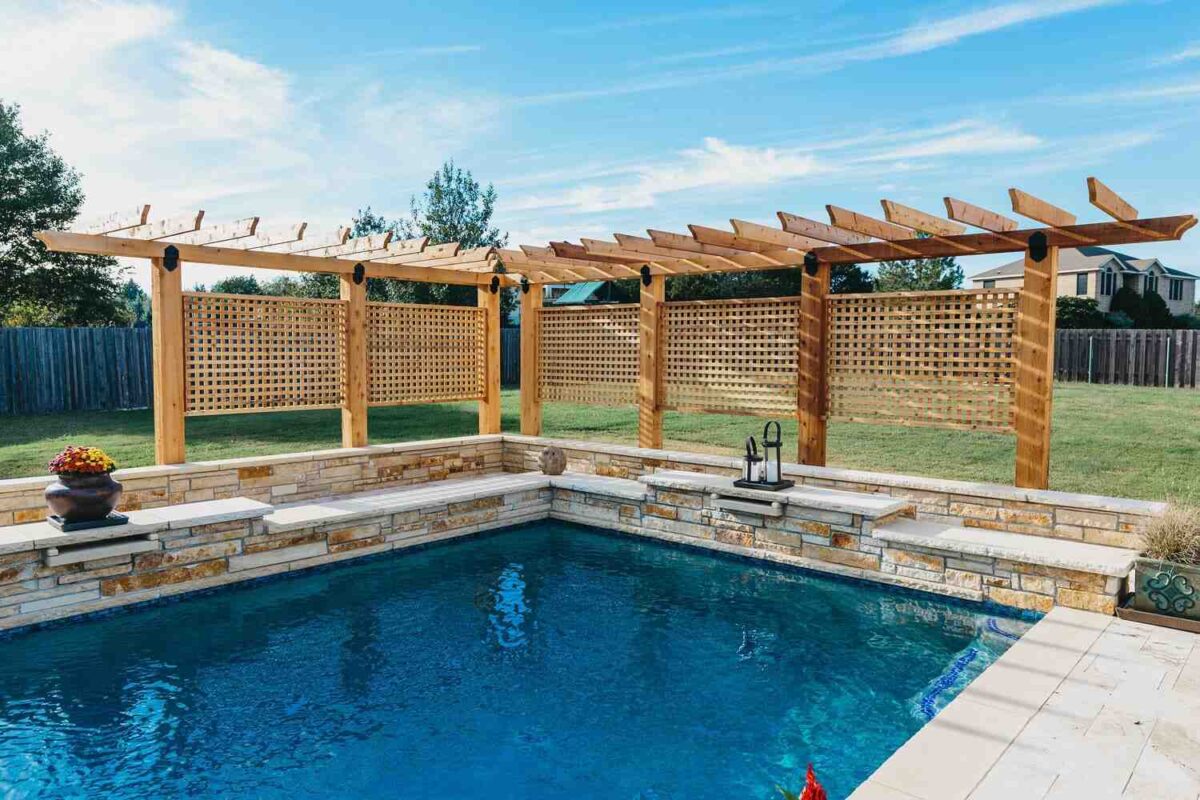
589	354
940	358
246	354
734	356
424	353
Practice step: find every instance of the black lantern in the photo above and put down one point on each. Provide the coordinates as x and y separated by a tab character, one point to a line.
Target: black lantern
765	471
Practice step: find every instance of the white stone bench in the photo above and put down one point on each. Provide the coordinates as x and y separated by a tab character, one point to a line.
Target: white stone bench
1044	551
143	525
310	514
864	504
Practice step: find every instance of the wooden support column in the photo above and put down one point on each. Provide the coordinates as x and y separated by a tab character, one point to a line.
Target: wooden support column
354	411
810	385
166	305
531	404
1034	367
651	362
489	406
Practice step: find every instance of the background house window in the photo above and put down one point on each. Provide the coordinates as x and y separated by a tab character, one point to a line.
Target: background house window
1081	283
1176	289
1108	283
1151	284
989	284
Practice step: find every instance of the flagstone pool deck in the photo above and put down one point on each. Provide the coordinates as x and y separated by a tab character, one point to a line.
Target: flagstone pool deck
1083	706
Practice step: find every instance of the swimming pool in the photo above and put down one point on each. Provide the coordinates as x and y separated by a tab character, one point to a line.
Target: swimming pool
545	661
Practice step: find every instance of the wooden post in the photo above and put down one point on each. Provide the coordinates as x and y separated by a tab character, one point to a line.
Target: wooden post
166	306
810	384
531	404
1034	368
489	406
354	411
650	360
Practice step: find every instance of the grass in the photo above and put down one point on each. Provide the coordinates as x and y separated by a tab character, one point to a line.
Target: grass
1120	440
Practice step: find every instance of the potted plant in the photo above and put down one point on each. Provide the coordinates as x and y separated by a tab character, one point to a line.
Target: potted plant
85	493
1167	576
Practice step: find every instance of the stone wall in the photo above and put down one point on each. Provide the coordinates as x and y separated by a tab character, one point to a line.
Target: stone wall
1088	518
285	478
204	556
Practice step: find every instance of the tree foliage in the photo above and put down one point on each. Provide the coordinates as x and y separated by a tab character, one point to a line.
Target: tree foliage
238	284
38	191
1079	312
919	275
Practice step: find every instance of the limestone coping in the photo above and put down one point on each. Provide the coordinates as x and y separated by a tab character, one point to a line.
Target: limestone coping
40	535
871	506
994	491
1046	551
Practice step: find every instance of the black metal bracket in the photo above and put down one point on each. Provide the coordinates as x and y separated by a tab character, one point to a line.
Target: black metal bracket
495	283
500	269
170	258
645	274
1039	247
524	285
811	263
360	274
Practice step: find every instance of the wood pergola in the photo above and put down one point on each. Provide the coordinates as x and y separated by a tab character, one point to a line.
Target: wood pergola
798	242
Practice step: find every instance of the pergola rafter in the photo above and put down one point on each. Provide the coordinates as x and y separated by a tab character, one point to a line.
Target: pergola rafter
1024	320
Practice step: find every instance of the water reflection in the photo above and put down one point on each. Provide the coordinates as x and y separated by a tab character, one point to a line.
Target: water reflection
509	608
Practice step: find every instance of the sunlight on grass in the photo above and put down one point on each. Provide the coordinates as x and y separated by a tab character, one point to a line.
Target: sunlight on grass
1120	440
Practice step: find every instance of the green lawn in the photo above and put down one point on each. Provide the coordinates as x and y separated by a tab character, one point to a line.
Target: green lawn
1121	440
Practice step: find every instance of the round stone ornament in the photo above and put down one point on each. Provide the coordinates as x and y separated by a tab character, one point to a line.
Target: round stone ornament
552	460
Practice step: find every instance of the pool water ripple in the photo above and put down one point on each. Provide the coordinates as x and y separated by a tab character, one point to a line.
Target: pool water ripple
547	661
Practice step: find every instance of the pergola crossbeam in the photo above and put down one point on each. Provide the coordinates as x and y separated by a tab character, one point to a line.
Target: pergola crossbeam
1109	201
119	221
260	240
164	228
230	231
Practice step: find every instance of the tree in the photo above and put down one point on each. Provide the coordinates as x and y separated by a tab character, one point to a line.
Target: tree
851	279
38	191
453	208
137	303
1080	312
238	284
919	275
1155	313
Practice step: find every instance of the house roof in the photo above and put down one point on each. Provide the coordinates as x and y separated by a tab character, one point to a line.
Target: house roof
578	293
1085	259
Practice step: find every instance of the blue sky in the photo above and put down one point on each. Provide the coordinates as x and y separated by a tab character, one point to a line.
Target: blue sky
591	119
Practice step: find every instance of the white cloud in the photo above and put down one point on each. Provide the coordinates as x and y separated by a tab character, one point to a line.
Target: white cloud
721	166
1189	53
717	164
918	38
148	112
1187	89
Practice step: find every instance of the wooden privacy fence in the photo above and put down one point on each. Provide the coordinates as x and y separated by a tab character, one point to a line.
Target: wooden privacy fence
1136	357
54	370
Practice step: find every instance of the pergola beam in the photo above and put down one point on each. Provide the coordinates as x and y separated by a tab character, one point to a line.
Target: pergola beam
1109	201
163	228
88	244
1039	210
230	231
259	240
819	230
119	221
919	220
978	217
299	246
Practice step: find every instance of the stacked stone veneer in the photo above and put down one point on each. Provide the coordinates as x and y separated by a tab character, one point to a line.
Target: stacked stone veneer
1087	518
191	557
285	478
206	554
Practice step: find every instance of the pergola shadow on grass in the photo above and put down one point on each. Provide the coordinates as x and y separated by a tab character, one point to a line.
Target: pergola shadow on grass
970	360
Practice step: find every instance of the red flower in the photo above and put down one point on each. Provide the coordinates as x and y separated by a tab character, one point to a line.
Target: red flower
812	788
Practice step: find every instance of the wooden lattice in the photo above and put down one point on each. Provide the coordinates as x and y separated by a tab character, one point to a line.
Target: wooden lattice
589	354
732	356
937	358
424	353
246	354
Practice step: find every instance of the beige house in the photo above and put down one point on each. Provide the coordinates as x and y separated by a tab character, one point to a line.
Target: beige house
1098	272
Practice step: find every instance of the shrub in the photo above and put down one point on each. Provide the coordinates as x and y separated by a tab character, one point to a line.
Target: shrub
1080	312
1186	322
1175	536
1126	301
1119	319
1155	313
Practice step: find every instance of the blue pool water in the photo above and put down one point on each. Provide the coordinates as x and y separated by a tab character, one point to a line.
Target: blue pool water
543	662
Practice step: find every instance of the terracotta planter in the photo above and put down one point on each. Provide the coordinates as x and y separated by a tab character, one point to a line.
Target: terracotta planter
1164	587
83	497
